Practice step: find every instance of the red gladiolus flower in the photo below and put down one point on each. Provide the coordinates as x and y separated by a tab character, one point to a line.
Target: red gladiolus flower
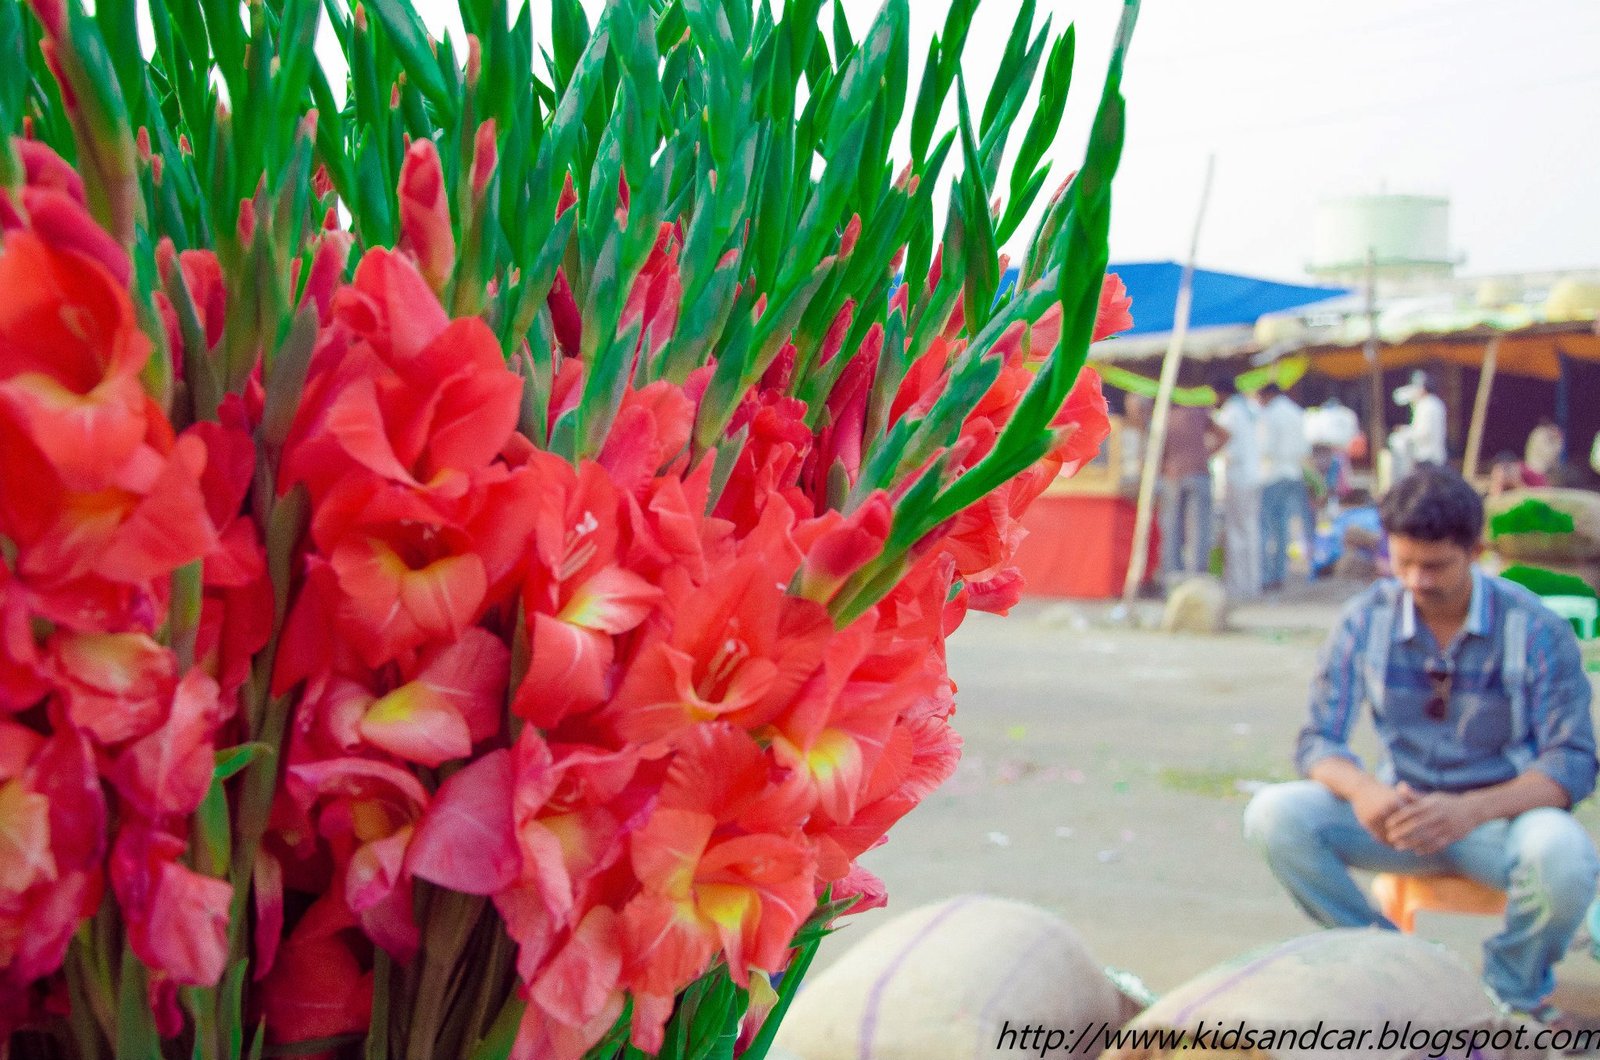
23	678
236	615
399	391
734	649
577	999
366	811
70	356
99	560
572	816
318	987
652	428
1085	412
833	731
770	464
836	546
167	773
577	597
52	204
52	841
652	303
723	867
451	704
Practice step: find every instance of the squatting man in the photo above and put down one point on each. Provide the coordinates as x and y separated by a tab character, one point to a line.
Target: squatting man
1479	699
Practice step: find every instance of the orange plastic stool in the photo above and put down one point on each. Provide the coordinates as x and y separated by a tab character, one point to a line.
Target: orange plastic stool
1400	897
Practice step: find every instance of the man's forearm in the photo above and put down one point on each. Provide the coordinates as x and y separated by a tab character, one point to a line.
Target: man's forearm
1342	777
1529	791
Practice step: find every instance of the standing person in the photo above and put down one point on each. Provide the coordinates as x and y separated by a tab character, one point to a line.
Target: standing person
1184	490
1284	495
1480	701
1241	491
1425	439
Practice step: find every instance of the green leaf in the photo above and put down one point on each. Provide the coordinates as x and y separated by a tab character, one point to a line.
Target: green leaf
136	1030
230	760
1010	59
496	1045
842	42
286	379
1046	119
569	31
410	41
974	235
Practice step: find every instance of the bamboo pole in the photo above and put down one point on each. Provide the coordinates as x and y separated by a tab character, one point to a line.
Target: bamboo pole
1156	437
1377	406
1480	409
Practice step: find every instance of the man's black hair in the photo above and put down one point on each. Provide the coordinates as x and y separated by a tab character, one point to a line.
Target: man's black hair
1433	503
1224	385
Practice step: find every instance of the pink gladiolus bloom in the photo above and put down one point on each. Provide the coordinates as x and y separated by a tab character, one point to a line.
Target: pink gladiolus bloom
367	812
167	773
465	840
116	685
454	702
177	919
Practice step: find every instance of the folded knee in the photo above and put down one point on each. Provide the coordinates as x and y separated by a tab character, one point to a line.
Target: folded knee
1276	816
1559	858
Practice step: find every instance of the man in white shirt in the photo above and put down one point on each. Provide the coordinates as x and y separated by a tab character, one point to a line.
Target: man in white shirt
1284	495
1424	439
1241	491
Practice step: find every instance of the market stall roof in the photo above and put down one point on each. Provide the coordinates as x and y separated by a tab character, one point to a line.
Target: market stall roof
1221	299
1532	350
1222	316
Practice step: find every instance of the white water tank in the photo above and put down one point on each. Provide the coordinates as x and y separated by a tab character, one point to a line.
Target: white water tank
1408	235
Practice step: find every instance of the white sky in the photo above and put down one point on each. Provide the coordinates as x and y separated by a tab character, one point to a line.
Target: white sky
1492	103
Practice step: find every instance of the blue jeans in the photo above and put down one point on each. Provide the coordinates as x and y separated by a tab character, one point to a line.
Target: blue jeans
1281	501
1542	858
1183	511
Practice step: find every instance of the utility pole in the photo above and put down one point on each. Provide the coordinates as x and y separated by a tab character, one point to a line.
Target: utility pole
1156	439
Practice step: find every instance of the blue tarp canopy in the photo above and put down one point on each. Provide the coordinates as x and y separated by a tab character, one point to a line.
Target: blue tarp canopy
1220	298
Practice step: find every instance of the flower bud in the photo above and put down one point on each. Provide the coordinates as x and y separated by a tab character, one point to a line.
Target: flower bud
483	158
425	214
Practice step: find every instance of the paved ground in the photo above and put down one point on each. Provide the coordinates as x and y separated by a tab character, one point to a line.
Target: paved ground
1104	776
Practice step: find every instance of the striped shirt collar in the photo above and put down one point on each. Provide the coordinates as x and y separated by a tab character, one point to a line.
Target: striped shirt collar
1478	616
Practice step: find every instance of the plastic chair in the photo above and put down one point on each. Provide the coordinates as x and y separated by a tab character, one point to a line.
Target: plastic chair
1582	611
1400	898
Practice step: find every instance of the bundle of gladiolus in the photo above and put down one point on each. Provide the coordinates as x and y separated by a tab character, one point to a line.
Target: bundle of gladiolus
475	561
